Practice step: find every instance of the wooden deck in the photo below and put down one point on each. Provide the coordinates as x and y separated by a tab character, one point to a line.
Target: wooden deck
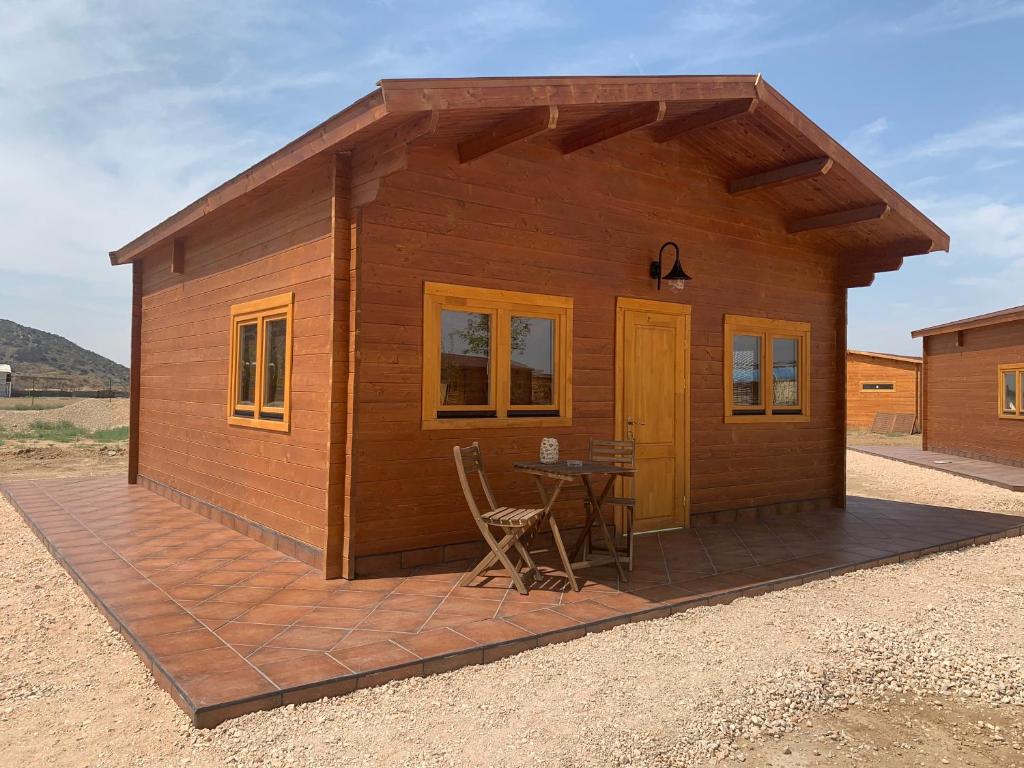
228	625
1003	475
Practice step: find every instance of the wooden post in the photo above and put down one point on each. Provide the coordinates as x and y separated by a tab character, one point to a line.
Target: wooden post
135	383
337	466
841	328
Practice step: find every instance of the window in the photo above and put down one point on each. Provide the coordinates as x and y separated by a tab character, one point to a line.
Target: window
877	386
767	370
1011	401
261	345
495	358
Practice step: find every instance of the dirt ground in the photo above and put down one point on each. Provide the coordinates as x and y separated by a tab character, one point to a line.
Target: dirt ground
914	664
863	437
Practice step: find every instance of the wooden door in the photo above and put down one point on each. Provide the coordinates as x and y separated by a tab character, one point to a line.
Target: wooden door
652	406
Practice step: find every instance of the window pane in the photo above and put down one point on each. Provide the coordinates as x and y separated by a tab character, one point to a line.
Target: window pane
746	370
246	394
465	358
1009	391
533	361
785	386
276	332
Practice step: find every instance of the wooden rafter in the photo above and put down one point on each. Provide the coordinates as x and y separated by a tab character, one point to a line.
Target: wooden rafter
858	270
673	129
178	256
615	124
521	125
839	218
786	174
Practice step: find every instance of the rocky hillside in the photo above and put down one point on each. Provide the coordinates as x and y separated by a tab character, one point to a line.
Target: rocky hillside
44	360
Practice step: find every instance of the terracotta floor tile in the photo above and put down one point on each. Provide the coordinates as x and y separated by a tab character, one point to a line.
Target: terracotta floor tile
247	595
182	642
271	655
312	669
241	632
585	612
195	664
396	602
466	606
542	620
492	631
236	684
268	613
308	638
364	637
342	618
214	609
395	621
438	642
264	579
162	625
353	599
371	656
412	586
307	597
193	591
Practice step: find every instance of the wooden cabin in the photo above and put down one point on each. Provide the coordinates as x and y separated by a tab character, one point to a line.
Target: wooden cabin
476	259
877	382
973	379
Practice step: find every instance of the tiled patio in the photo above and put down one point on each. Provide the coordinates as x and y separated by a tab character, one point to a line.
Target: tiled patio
1002	475
229	626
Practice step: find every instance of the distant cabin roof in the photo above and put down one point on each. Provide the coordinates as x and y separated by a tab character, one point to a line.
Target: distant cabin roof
745	131
885	356
978	321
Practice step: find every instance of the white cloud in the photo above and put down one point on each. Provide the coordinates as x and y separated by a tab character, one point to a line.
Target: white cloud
983	231
996	134
948	15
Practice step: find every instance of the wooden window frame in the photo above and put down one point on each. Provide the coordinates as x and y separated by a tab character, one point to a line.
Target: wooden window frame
768	329
1017	368
891	384
501	306
260	312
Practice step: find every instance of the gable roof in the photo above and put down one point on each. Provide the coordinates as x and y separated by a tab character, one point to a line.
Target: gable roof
978	321
745	129
886	356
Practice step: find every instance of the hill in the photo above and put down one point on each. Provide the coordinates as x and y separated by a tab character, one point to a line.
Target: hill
44	360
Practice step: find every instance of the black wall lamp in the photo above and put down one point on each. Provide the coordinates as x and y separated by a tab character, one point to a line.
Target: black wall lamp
676	277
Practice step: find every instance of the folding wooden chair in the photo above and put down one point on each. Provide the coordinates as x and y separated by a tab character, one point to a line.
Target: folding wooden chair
513	522
621	453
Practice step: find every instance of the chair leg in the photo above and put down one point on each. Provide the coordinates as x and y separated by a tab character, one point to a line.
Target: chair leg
562	554
524	553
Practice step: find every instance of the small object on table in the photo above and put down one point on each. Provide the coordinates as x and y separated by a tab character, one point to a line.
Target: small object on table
548	450
574	463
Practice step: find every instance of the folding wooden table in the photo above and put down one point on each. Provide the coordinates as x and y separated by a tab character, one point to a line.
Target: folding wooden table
562	472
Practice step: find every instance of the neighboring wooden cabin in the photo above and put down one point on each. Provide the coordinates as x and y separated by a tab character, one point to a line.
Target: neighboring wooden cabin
877	382
455	260
973	404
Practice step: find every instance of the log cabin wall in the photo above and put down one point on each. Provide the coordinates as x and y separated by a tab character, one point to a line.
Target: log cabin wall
270	485
862	405
960	395
529	219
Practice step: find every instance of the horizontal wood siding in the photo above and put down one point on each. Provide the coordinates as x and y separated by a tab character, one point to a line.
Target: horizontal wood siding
280	241
585	226
862	406
960	393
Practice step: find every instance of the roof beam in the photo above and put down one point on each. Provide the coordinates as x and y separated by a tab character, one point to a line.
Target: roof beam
673	129
858	270
839	218
786	174
521	125
615	124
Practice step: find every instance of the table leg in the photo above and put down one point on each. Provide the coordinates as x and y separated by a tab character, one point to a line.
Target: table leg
598	503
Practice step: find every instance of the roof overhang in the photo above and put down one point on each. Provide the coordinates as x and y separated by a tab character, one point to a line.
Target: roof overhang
849	209
978	321
886	356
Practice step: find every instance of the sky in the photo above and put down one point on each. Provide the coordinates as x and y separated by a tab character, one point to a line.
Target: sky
113	115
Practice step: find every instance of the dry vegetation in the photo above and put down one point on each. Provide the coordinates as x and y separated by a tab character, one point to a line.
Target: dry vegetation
77	437
916	664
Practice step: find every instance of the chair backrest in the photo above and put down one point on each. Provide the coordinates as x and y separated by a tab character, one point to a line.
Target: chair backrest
467	462
621	453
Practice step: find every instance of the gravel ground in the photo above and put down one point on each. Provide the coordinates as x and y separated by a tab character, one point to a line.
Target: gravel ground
919	663
90	414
